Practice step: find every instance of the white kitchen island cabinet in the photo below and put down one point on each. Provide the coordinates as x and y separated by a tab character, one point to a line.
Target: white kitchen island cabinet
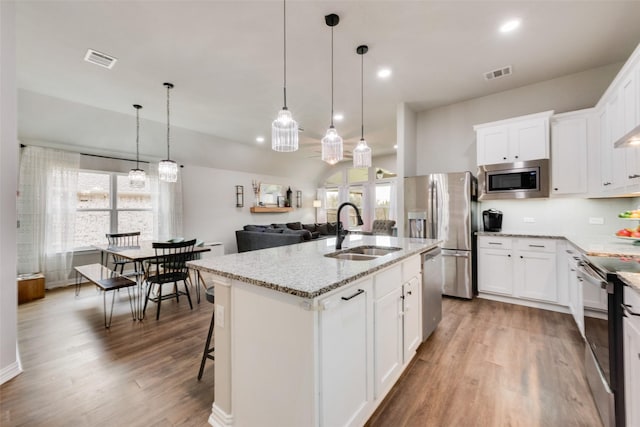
297	333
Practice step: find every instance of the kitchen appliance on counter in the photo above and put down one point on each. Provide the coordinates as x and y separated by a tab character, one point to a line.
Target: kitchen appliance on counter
518	180
431	291
492	220
604	365
443	206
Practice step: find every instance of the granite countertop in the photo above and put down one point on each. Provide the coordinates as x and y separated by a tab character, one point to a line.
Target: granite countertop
303	270
631	279
590	245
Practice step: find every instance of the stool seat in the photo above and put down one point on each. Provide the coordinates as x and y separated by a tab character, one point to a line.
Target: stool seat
209	293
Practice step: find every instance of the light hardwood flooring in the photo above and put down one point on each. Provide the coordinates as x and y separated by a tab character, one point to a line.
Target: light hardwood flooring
487	364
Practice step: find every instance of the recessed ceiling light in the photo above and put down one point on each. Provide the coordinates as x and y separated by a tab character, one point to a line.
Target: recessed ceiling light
509	25
395	146
338	117
384	73
260	139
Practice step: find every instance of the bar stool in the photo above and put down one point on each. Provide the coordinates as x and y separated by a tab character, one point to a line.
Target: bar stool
208	352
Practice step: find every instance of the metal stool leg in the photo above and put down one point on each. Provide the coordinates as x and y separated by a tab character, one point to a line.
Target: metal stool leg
207	351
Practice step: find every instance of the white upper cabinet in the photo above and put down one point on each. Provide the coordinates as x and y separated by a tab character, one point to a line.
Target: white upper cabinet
513	140
630	118
569	140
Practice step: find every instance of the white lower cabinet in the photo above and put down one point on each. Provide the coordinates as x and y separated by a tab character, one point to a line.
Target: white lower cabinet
345	356
412	317
575	290
631	345
515	267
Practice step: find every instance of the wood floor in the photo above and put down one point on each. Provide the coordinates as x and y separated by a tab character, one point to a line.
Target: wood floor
487	364
494	364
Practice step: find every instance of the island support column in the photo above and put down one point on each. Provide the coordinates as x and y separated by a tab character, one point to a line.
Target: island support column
221	410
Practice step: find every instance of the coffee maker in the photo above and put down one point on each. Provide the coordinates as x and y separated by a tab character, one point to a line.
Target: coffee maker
492	220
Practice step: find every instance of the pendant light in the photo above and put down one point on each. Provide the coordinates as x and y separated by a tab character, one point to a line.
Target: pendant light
168	169
137	177
332	142
362	152
284	130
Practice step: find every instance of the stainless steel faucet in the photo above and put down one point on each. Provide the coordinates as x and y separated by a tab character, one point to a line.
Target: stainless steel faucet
340	233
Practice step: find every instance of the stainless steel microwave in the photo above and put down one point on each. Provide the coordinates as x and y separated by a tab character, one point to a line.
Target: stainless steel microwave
518	180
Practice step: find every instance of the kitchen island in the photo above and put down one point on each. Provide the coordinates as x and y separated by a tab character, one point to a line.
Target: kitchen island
302	339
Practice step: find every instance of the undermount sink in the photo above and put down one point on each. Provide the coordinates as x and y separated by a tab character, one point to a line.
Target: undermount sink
363	253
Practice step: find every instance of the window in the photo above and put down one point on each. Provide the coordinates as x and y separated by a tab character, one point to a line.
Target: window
332	202
383	201
107	204
356	196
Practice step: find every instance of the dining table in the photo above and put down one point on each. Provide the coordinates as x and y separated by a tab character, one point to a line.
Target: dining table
138	254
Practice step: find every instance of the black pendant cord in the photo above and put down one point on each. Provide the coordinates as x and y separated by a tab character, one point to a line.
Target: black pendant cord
331	77
169	86
137	107
284	19
362	96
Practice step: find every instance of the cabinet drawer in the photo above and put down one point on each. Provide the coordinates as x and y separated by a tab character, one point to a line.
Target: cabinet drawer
387	280
536	245
488	242
410	268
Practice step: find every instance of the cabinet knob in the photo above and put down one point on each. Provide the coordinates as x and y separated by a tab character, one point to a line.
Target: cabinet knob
516	157
509	255
409	292
521	256
504	158
555	189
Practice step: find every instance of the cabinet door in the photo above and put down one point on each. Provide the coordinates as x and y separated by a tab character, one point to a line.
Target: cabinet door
493	145
529	140
575	295
569	148
387	340
631	345
630	119
536	276
412	318
343	356
606	151
615	132
495	271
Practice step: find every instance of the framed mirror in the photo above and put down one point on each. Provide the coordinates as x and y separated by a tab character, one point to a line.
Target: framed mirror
269	194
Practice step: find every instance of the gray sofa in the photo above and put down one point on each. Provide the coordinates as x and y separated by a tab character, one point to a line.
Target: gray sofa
253	237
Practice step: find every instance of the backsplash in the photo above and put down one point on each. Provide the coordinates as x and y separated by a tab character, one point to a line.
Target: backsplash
562	216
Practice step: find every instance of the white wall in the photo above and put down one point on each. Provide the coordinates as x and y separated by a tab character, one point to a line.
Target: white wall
9	361
445	136
209	203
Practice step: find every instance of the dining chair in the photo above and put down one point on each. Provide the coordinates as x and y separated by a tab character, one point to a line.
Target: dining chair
123	240
170	263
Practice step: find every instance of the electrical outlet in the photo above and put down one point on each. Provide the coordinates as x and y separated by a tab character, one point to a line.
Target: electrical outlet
220	315
528	219
596	220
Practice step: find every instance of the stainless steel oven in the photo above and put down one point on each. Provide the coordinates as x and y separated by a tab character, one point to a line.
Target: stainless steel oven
602	299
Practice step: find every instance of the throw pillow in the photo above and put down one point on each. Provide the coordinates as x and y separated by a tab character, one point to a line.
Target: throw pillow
315	234
251	227
294	225
310	227
331	226
279	225
274	230
322	228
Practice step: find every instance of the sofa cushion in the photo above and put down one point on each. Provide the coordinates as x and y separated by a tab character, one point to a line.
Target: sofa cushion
251	227
306	234
331	226
279	225
294	225
314	234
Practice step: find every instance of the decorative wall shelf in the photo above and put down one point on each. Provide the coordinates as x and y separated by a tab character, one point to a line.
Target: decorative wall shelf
269	209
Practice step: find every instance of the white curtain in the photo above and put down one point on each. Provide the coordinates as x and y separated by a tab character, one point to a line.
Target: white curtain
47	200
321	213
166	199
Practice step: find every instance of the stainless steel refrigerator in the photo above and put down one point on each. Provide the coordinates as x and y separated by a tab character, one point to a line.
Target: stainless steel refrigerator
443	206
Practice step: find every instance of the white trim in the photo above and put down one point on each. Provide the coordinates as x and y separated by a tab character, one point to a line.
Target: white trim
527	303
12	370
219	418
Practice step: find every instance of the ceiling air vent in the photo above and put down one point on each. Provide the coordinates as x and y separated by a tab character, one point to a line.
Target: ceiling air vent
500	72
99	58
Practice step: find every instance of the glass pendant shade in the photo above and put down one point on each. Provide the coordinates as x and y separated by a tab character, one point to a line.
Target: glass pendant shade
284	132
362	155
137	178
168	171
332	146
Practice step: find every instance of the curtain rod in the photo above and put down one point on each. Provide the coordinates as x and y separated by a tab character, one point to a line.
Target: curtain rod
97	155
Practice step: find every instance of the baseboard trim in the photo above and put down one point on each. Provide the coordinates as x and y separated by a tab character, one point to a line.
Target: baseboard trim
9	372
219	418
526	303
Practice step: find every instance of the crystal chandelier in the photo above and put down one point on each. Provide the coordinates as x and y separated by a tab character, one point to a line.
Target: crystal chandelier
168	169
137	177
332	142
284	130
362	152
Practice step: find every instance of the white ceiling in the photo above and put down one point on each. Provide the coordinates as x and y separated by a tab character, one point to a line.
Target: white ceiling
225	57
